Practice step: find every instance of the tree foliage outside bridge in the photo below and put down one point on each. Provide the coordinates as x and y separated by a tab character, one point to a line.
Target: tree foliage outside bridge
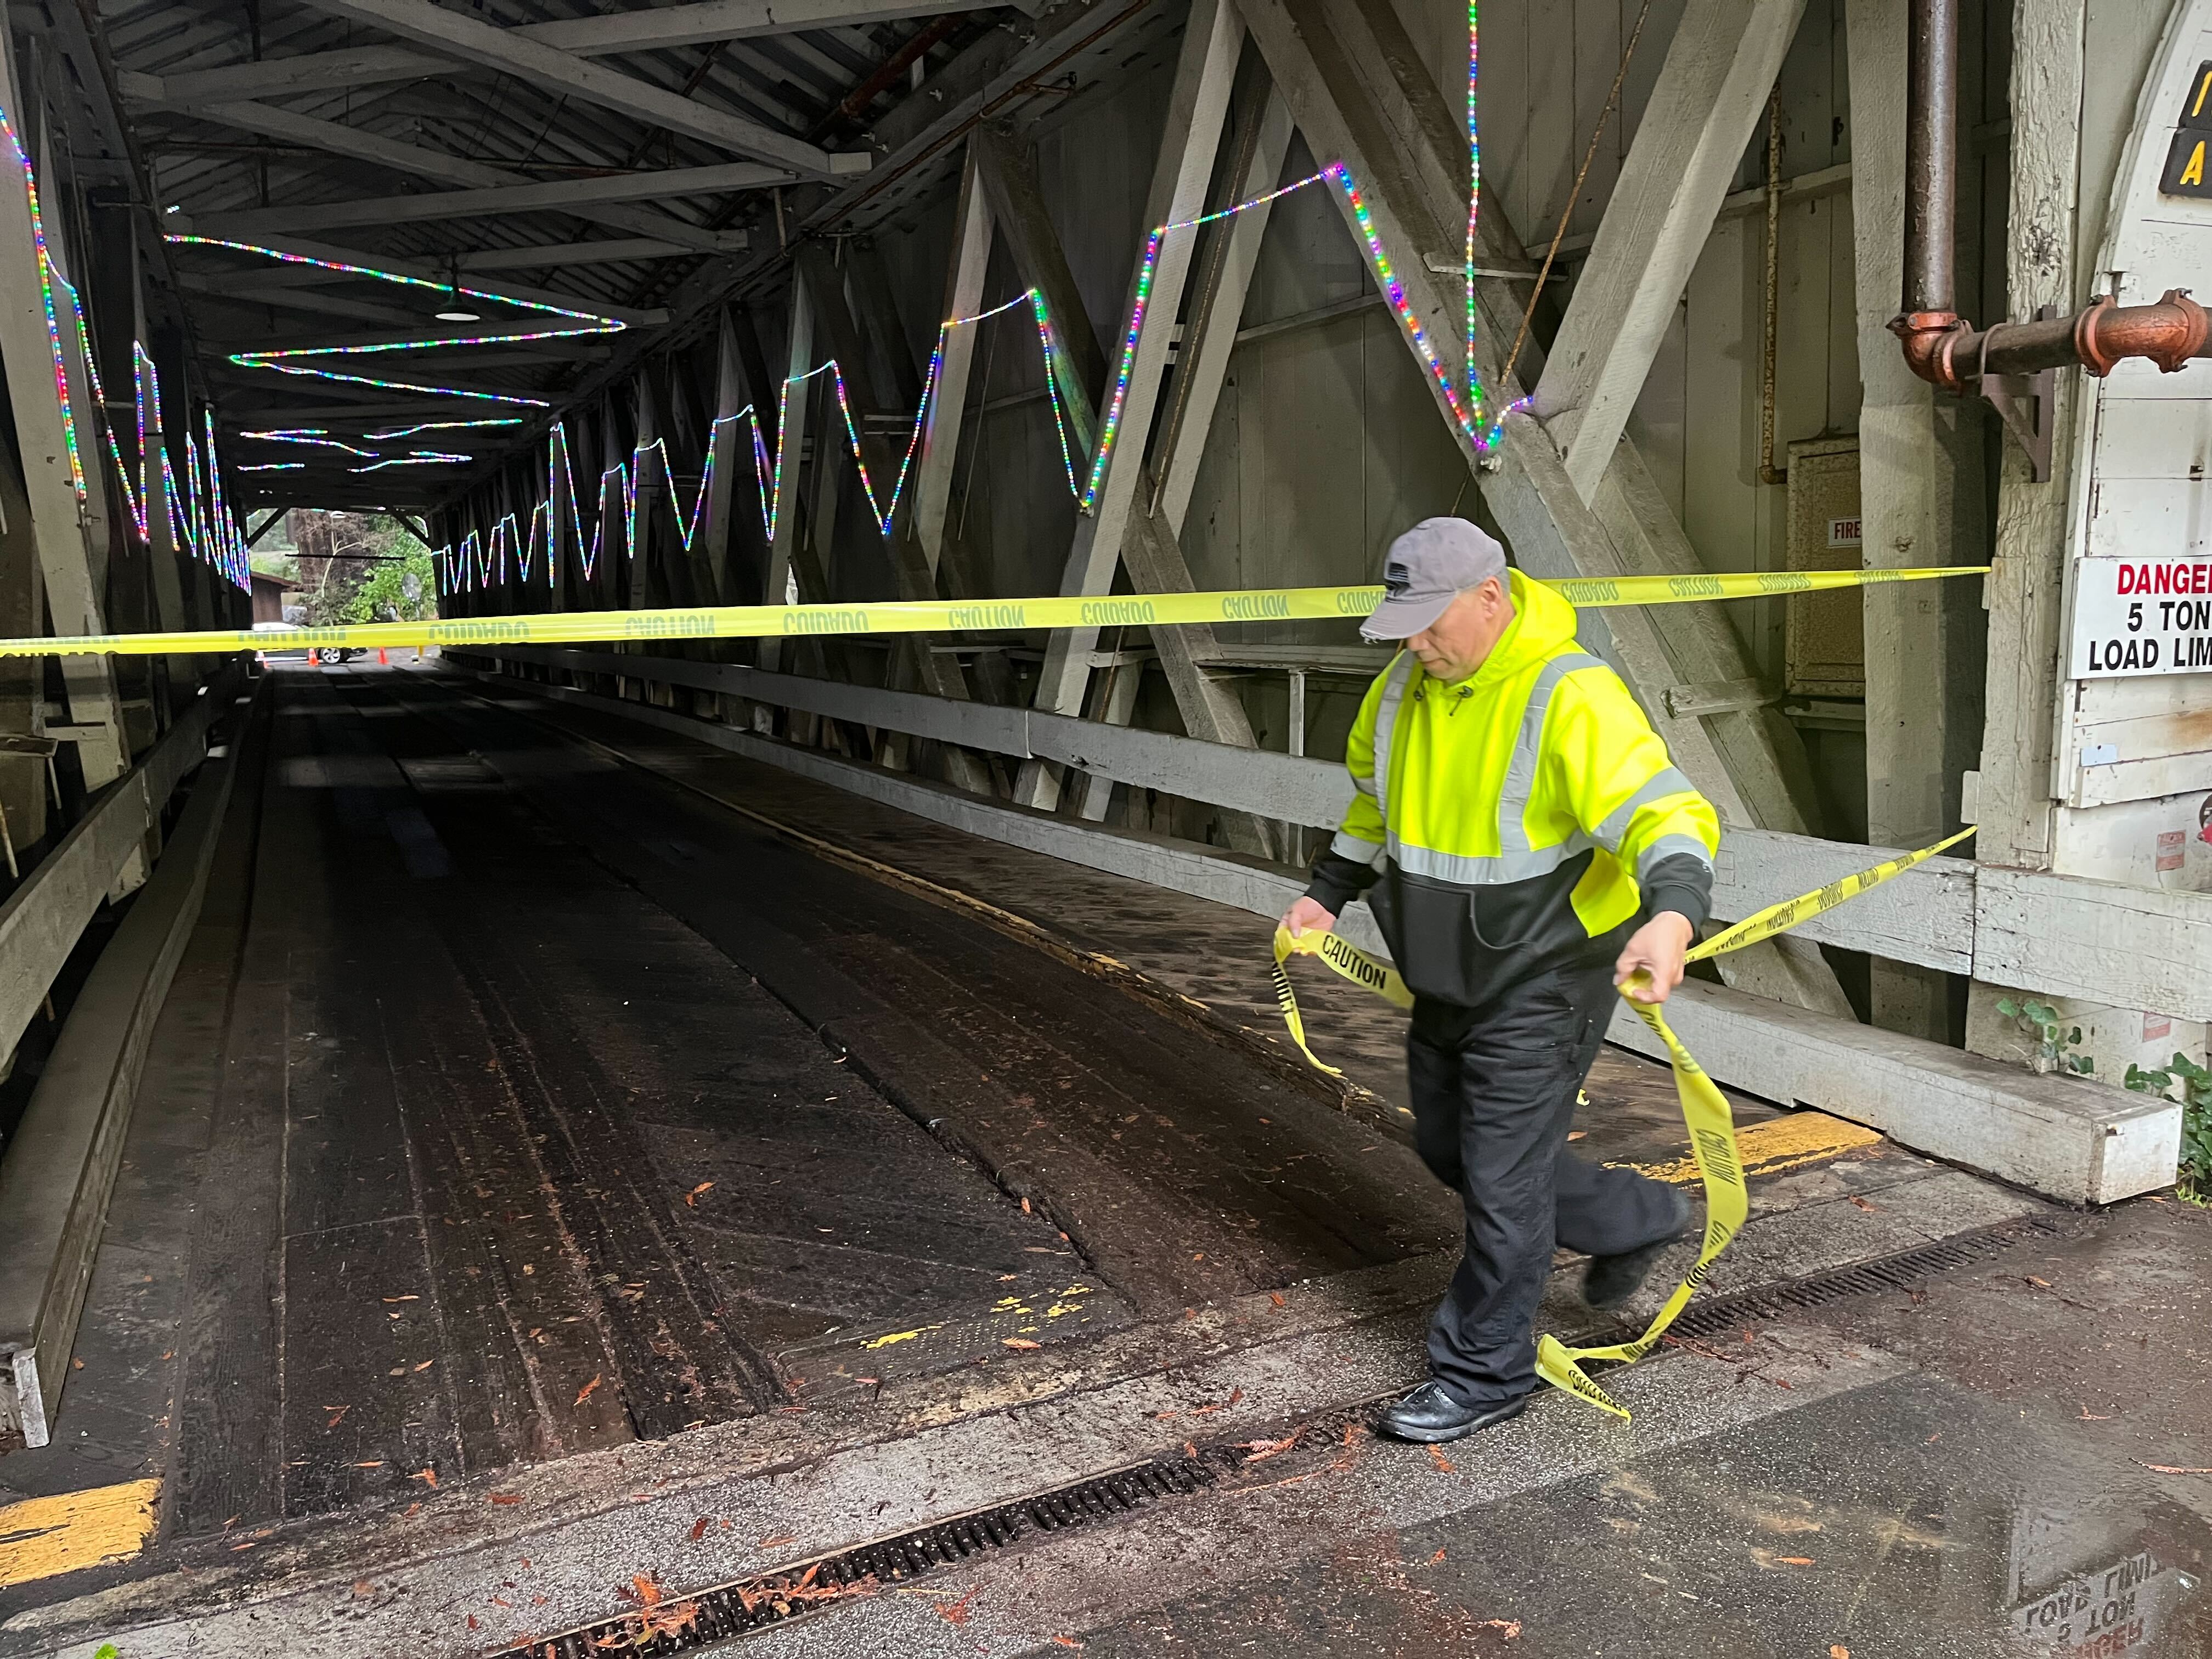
361	568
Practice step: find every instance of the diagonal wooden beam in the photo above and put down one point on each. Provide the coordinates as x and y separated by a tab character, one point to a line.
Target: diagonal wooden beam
1705	108
1552	532
1198	107
839	337
968	265
1151	552
454	34
1020	215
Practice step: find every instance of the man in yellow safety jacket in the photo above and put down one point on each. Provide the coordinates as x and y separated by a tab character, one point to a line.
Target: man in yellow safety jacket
1526	846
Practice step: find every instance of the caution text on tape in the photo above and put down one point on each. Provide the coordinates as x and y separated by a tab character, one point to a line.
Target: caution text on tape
926	616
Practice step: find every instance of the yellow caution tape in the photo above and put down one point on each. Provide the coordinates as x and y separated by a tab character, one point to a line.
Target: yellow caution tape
740	622
1704	1108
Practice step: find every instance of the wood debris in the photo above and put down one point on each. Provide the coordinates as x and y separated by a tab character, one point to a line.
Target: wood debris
1259	1451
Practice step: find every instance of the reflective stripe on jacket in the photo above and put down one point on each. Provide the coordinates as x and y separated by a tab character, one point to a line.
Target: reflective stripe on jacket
1517	817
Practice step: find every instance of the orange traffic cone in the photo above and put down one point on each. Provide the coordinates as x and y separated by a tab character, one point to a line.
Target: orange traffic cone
382	661
312	659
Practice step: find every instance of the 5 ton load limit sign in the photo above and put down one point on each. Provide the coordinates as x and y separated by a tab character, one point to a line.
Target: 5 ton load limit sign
2132	617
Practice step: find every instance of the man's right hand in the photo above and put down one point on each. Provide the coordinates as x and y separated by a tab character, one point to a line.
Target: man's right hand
1308	912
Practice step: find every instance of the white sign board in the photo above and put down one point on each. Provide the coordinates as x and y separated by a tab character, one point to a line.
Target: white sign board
2138	616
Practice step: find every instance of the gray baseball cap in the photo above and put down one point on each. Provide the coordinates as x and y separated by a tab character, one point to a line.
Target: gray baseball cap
1429	567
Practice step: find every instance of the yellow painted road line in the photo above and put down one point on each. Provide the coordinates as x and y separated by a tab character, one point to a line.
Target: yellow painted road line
1779	1144
42	1537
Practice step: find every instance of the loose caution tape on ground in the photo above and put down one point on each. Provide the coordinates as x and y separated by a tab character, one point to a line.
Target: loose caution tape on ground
1704	1108
926	616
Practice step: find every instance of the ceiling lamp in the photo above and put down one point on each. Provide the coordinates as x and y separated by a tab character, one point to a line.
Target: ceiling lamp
456	308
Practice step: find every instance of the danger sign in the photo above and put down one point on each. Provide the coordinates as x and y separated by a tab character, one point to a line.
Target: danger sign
2136	618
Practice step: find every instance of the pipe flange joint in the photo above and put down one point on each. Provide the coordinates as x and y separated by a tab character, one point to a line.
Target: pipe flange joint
1929	338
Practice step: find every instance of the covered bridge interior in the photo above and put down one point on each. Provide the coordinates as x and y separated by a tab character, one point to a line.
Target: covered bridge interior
508	1085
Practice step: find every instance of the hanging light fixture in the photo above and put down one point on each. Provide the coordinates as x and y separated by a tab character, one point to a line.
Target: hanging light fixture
456	308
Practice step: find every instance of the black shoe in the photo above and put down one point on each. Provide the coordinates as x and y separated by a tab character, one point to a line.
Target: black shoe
1430	1414
1612	1279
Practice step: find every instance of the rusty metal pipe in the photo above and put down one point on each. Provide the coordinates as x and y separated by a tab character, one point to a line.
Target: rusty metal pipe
1941	347
1932	158
1948	351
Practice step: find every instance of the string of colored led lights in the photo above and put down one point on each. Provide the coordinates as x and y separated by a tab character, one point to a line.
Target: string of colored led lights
281	359
481	559
203	529
1463	397
286	359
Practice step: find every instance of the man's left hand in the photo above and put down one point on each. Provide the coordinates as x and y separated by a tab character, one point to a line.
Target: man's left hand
1655	952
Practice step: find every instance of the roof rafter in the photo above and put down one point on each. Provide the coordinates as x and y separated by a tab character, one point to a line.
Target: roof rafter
652	30
457	35
488	181
438	271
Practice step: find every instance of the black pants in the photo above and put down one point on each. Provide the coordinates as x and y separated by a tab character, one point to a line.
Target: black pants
1493	1092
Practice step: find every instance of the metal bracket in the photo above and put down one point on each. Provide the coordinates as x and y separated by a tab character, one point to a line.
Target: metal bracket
2024	402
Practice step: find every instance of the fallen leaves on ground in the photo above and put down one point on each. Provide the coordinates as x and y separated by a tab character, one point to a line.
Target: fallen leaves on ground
1259	1451
1065	1642
503	1497
777	1541
656	1614
2169	1468
1021	1342
1510	1627
784	1593
957	1612
588	1389
1444	1465
699	1528
338	1415
1437	1556
691	1198
1276	1297
1838	1650
428	1477
1860	1202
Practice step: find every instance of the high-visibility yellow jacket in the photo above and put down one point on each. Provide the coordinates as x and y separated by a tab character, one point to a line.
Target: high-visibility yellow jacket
1523	817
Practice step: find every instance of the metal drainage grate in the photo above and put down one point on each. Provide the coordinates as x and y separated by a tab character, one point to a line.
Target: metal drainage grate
679	1623
705	1617
1888	1272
